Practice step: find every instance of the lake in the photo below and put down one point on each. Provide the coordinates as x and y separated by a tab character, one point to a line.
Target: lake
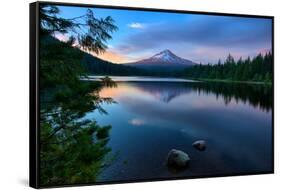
150	118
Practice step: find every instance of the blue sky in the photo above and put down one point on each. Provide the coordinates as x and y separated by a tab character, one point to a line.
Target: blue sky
200	38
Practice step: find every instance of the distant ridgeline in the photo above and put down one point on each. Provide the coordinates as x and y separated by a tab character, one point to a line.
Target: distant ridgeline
258	69
97	66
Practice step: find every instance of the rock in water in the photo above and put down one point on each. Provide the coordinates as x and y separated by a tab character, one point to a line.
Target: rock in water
177	159
200	145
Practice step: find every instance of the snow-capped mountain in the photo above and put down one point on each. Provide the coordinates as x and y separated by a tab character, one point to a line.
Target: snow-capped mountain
164	58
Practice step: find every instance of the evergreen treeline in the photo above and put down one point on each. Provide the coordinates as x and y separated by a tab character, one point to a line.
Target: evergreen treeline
258	69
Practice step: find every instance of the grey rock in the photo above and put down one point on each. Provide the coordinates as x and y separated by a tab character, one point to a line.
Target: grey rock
200	145
177	159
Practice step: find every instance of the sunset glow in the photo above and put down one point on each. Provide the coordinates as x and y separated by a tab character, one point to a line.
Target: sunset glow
200	38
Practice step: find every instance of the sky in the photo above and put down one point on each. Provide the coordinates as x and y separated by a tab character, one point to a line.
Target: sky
199	38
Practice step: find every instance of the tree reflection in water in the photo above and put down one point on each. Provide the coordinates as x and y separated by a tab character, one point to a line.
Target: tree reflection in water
256	95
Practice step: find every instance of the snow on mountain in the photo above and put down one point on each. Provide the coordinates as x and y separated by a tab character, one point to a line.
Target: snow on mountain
163	58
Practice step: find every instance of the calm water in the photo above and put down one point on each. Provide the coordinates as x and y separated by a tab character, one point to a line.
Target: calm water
151	118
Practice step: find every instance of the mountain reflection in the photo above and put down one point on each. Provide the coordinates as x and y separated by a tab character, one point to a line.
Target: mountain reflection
164	92
255	94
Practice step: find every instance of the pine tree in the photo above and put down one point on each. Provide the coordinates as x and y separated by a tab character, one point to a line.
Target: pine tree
72	149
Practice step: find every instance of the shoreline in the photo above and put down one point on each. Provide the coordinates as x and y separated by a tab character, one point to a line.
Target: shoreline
232	81
140	79
170	79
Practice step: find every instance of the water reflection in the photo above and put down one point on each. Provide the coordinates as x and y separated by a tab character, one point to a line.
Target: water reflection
164	92
150	118
254	94
136	122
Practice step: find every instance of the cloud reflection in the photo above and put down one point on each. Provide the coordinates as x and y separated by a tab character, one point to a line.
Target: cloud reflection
136	122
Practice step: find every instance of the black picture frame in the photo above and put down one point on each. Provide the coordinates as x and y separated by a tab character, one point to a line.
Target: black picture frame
34	129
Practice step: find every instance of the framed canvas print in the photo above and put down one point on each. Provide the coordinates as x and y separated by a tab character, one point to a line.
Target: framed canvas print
120	94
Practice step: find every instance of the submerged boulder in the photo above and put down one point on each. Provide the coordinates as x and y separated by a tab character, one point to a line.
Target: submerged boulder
177	159
200	145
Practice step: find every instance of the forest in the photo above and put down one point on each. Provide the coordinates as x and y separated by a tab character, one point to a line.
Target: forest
257	69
